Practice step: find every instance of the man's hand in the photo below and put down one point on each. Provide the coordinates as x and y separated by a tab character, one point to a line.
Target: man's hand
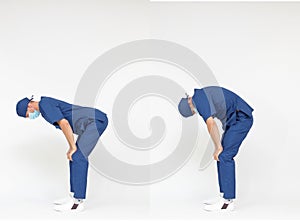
217	152
68	132
215	135
70	152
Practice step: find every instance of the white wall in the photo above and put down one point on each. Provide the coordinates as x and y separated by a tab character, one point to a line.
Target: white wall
252	49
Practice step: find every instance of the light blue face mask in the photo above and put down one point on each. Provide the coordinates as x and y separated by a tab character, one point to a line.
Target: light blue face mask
34	114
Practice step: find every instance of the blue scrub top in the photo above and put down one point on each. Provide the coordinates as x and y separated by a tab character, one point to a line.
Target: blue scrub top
54	110
221	103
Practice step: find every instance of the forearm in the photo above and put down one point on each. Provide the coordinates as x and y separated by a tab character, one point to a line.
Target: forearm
214	134
68	132
70	137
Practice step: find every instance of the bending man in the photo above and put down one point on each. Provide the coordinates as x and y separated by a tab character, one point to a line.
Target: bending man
236	117
88	123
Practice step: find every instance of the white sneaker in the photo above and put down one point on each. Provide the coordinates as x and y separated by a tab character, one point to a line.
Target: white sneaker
69	207
221	206
67	199
214	200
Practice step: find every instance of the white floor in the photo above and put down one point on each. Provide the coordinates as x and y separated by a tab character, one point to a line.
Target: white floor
175	210
172	199
29	190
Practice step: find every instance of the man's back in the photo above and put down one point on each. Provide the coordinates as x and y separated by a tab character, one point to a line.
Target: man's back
54	110
220	103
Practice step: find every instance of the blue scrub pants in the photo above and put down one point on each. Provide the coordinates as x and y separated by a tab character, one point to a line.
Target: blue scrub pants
79	166
231	142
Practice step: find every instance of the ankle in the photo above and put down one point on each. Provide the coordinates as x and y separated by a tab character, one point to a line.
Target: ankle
228	200
78	201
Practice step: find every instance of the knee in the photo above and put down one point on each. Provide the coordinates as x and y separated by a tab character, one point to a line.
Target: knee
78	156
225	157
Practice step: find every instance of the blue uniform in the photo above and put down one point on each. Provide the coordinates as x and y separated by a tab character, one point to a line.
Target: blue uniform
88	123
236	117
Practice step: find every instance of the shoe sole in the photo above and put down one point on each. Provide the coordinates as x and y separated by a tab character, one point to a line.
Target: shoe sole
61	203
209	203
231	209
69	211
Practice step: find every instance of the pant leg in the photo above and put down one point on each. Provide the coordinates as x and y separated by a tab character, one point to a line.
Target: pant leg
78	177
88	140
79	166
219	177
71	177
231	142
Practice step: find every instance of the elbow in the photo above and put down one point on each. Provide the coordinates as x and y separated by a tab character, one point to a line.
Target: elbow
63	123
210	122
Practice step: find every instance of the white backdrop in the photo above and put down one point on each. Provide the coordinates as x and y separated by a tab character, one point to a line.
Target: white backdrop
252	49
